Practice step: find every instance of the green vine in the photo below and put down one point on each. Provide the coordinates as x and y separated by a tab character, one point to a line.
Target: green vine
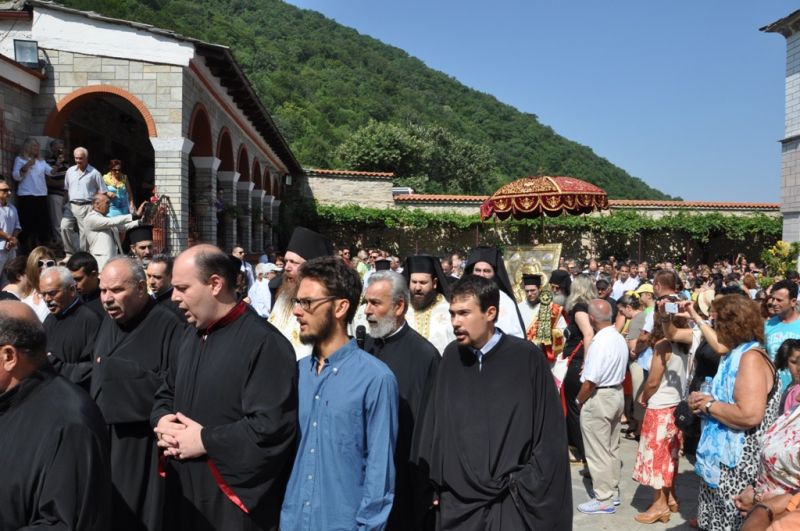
700	227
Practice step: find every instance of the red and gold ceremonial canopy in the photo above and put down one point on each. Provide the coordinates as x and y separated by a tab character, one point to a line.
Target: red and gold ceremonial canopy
532	197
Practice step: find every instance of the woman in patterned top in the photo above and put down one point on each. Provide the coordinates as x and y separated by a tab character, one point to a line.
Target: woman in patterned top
742	405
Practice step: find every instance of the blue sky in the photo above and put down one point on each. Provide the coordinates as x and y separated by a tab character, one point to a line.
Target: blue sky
686	94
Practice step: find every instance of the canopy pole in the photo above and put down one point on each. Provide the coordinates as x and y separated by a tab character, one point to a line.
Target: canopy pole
542	242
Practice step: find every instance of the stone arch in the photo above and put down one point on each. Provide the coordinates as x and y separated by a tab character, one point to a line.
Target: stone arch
243	164
66	105
256	173
276	186
267	181
200	132
225	150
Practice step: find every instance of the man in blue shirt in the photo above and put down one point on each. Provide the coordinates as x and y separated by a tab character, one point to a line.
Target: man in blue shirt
343	475
784	324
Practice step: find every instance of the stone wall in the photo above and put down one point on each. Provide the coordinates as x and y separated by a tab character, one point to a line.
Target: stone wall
16	105
337	191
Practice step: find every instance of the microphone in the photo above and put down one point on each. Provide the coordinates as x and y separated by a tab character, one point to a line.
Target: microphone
361	336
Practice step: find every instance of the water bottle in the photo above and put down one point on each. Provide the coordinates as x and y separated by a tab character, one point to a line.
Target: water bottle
705	387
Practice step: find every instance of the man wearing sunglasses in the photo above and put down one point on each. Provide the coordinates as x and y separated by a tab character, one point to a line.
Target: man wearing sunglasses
344	474
9	229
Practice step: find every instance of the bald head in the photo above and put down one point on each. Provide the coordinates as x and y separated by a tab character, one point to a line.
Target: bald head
22	343
123	290
204	284
600	311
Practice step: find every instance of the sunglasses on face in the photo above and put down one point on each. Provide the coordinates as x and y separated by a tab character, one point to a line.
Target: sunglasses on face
46	263
5	190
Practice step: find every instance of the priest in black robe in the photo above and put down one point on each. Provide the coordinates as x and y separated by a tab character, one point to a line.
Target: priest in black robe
226	415
494	437
71	327
87	280
54	463
159	282
414	361
132	354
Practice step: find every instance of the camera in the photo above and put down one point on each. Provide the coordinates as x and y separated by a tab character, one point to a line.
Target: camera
671	307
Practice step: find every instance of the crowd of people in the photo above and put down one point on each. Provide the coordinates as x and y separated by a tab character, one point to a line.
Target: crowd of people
331	388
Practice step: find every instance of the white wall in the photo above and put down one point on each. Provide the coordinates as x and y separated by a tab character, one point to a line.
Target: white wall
76	33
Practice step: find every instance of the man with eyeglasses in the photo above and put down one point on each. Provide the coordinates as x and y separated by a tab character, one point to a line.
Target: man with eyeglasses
9	229
344	474
226	416
304	245
71	327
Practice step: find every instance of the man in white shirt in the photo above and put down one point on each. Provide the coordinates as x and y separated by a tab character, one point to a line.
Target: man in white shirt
601	402
30	173
82	181
625	282
9	228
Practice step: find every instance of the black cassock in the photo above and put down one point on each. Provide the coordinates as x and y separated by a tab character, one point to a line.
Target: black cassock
238	379
54	469
495	441
70	341
165	300
130	364
414	361
93	302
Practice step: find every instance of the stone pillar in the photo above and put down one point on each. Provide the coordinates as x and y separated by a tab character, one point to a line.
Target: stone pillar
257	220
205	187
244	221
172	183
228	180
273	222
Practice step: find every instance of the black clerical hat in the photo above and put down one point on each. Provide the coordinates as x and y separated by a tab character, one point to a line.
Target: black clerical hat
142	233
425	263
532	280
383	264
561	278
308	244
492	256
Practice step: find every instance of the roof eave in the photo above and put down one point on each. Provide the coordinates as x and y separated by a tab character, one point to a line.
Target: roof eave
786	26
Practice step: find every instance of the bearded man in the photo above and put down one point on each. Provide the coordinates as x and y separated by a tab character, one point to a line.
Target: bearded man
414	361
538	307
430	309
304	245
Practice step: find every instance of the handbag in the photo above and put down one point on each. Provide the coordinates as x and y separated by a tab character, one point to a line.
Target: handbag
561	366
685	418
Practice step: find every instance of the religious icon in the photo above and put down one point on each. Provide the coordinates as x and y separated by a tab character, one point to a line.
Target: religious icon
530	260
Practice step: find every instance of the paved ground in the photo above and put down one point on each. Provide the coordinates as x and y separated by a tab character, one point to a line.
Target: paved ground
635	498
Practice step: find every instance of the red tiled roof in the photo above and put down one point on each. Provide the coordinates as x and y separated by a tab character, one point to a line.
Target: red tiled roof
692	204
317	171
477	199
440	198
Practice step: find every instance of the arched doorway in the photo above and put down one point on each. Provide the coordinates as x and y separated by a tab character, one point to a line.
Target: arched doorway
112	124
202	188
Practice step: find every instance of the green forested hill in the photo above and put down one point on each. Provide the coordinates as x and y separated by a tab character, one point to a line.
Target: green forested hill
324	82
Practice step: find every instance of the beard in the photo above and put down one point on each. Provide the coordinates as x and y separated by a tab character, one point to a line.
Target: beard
422	301
324	331
381	327
286	293
560	299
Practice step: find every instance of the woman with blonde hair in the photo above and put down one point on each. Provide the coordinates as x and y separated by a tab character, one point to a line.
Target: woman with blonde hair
38	260
577	337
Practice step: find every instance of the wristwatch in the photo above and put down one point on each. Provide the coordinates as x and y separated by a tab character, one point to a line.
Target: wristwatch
708	405
578	402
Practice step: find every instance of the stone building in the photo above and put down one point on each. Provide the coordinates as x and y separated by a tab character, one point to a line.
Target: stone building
178	112
789	27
